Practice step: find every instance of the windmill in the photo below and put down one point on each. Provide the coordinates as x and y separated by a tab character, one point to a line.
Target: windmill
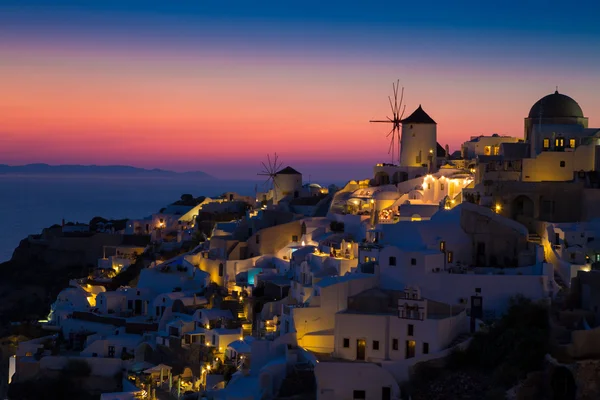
397	114
270	170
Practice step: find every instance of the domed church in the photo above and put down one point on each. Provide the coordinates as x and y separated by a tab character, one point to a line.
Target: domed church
555	109
559	142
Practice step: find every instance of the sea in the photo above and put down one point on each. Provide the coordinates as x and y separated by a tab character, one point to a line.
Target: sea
29	203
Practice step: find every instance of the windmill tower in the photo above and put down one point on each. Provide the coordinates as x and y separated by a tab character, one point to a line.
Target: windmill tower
396	119
269	170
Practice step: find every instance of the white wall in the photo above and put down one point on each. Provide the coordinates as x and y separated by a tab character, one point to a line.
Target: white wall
418	139
339	380
450	288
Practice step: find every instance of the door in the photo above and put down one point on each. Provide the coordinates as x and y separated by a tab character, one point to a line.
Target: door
138	307
410	349
480	255
361	346
386	393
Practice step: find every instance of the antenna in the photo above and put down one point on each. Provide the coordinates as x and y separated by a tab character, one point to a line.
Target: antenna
270	169
396	120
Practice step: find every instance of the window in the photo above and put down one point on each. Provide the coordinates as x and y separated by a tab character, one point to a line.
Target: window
413	261
295	238
394	344
214	340
487	151
130	304
410	330
366	259
441	186
442	246
392	261
425	348
111	351
546	144
572	143
287	326
375	344
346	343
359	395
221	269
257	239
496	150
450	257
562	164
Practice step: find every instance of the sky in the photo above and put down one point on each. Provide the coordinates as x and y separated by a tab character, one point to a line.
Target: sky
215	85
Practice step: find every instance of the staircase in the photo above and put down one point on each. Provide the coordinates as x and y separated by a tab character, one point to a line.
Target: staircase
459	339
534	238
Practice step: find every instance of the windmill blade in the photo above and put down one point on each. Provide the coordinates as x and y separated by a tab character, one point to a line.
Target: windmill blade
391	104
389	120
390	132
396	98
403	109
401	101
266	169
391	145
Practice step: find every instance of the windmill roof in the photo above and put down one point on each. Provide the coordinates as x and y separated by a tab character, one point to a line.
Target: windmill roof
419	116
288	171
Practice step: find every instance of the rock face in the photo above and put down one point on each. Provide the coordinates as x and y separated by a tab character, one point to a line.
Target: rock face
42	266
587	379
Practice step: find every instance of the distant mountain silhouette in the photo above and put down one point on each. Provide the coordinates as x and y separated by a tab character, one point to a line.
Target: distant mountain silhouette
96	170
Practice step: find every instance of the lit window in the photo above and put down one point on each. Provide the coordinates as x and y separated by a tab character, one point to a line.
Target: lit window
487	150
546	143
442	246
450	258
572	143
496	150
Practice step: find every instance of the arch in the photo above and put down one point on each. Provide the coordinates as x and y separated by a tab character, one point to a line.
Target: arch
400	176
415	195
143	352
382	178
563	384
522	206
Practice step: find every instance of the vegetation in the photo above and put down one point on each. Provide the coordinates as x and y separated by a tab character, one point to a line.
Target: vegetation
499	357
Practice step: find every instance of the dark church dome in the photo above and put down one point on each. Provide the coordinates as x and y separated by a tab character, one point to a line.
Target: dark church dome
556	105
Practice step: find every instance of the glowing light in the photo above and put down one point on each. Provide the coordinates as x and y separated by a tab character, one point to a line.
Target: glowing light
241	338
303	243
372	201
349	245
452	201
425	185
430	151
498	208
207	326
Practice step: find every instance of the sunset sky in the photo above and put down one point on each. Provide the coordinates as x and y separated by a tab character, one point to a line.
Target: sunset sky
214	85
